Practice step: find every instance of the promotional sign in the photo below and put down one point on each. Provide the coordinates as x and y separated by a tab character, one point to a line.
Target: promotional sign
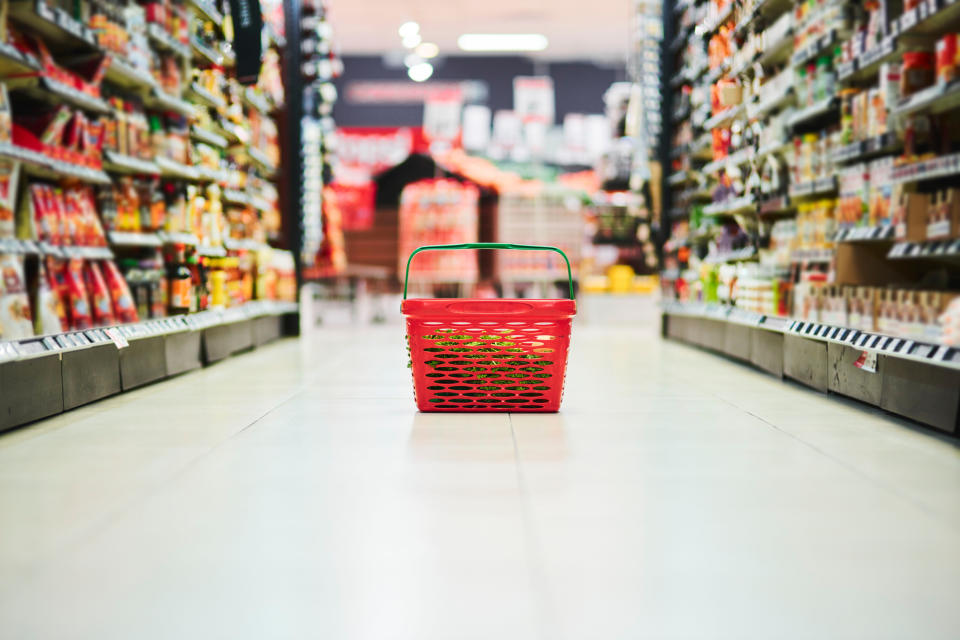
533	98
476	127
441	117
247	43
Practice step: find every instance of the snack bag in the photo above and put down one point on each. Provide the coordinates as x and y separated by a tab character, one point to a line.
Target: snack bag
49	318
78	300
57	279
100	305
124	309
9	177
15	318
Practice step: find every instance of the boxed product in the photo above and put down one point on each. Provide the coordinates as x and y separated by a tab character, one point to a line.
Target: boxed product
833	309
862	306
943	216
909	215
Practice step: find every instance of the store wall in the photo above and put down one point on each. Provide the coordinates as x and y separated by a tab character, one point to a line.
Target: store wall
579	86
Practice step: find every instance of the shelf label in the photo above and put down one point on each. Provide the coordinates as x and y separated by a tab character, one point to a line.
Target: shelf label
867	361
118	338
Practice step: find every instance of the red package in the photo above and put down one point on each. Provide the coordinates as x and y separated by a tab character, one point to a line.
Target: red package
123	306
74	225
78	301
100	303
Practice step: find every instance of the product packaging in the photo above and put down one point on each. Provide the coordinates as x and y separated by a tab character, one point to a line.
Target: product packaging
77	297
15	317
50	315
123	306
101	306
909	215
943	219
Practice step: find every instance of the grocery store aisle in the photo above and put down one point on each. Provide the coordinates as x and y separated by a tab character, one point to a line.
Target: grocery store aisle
294	493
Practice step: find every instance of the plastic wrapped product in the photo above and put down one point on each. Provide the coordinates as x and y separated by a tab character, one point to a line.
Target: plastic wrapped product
78	300
124	309
50	317
100	303
15	317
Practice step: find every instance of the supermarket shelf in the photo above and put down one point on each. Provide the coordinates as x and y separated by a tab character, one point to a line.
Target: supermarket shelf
812	256
87	253
948	250
724	118
711	26
55	92
733	206
234	196
823	186
261	160
914	378
773	149
879	233
13	61
680	178
172	169
211	251
867	64
930	18
813	49
886	144
740	255
828	107
160	99
204	53
206	136
257	101
60	30
245	244
207	10
206	174
205	98
769	10
936	99
779	53
123	75
936	168
776	206
71	369
744	156
134	239
178	237
165	42
771	103
119	163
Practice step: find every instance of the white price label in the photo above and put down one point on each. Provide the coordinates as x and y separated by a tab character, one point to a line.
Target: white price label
117	337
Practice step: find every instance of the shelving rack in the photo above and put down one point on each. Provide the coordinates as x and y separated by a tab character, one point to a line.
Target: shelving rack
728	225
174	61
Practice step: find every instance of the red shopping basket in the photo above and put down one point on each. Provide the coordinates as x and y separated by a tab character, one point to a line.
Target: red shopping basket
488	355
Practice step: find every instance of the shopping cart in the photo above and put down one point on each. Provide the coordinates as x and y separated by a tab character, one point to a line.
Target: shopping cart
488	354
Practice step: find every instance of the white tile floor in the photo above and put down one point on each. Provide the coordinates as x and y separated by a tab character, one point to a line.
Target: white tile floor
294	493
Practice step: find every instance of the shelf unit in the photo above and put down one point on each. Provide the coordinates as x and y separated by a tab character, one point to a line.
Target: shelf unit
202	134
806	197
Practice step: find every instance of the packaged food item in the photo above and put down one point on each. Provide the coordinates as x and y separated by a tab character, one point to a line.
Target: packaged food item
15	317
9	179
917	72
100	304
947	58
943	218
78	299
124	310
50	316
950	323
181	283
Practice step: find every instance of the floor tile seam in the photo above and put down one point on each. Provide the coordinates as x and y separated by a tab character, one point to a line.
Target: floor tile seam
141	497
544	600
926	510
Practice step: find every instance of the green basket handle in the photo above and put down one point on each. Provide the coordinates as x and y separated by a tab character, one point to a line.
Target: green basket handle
487	245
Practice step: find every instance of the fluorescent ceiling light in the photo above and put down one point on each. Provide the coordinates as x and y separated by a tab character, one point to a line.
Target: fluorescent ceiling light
420	72
408	29
502	42
428	50
412	40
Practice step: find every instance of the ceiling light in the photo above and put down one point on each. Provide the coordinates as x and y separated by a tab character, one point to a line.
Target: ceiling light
411	41
502	42
428	50
408	29
420	72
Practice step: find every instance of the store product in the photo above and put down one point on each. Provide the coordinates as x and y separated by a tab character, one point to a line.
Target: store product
15	316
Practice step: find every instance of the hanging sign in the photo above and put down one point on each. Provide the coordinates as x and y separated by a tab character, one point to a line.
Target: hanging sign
247	39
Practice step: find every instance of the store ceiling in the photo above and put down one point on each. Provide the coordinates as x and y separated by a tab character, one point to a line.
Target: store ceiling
597	30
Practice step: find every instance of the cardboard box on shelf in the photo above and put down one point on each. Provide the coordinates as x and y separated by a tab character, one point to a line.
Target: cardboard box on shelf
909	215
943	215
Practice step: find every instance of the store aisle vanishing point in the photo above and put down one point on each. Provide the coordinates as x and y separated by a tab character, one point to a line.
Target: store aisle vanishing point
294	493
